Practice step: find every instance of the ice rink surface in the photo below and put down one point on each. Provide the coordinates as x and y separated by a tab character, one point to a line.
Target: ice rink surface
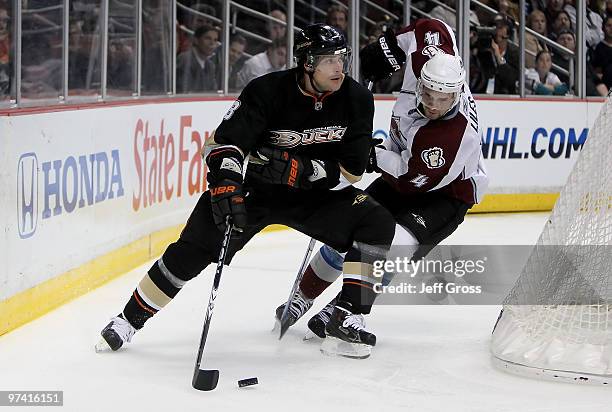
428	358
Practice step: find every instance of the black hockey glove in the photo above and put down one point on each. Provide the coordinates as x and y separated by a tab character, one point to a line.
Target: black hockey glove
279	167
225	181
381	58
372	166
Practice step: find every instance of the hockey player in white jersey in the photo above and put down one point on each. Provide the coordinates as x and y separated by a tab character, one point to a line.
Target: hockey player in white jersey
431	166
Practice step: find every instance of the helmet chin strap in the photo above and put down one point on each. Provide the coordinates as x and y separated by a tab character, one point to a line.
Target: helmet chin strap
310	74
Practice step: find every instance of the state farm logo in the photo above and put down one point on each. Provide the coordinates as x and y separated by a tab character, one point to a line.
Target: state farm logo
167	165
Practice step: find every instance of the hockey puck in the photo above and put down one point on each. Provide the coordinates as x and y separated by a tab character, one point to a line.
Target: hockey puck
247	382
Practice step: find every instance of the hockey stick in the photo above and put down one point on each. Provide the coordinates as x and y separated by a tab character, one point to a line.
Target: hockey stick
284	320
206	379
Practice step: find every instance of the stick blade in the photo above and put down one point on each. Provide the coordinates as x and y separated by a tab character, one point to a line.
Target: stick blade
205	380
284	327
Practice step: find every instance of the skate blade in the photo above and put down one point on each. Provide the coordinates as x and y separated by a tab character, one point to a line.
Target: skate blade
310	335
102	346
332	346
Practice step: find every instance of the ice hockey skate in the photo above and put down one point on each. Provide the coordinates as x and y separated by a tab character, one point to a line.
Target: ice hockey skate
317	323
115	334
346	335
300	304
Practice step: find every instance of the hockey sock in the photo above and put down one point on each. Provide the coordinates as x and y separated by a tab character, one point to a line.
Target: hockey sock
156	289
322	271
358	277
311	285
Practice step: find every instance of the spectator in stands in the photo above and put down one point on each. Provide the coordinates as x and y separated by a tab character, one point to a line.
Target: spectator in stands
540	80
509	9
42	76
594	85
482	66
506	57
561	22
602	56
195	69
566	39
277	30
505	19
201	15
533	45
337	16
553	7
5	53
78	55
273	59
120	74
237	58
593	23
608	9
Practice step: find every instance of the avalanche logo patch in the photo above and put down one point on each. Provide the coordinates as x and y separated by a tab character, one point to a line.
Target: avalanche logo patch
433	157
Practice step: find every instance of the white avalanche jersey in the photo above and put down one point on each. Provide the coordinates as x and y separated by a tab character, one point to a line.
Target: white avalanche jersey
425	155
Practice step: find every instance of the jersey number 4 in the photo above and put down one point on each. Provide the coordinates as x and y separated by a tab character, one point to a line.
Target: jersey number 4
419	181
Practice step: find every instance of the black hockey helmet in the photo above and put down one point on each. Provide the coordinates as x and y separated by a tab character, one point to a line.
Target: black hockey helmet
320	40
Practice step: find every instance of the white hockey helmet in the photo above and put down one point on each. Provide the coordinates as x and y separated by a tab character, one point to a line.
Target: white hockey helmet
442	73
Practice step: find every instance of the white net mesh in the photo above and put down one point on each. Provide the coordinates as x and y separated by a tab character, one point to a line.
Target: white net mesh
558	316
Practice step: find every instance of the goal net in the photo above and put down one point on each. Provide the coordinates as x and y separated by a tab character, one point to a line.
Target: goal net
557	320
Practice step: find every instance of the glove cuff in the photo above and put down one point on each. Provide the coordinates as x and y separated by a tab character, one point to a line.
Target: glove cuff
224	162
325	174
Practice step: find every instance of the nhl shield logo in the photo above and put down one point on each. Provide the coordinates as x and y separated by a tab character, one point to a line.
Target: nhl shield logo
433	157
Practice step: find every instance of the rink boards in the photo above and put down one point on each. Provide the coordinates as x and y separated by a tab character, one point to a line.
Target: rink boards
88	194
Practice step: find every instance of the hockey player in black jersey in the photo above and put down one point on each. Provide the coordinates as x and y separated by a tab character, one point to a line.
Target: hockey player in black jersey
305	135
431	165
